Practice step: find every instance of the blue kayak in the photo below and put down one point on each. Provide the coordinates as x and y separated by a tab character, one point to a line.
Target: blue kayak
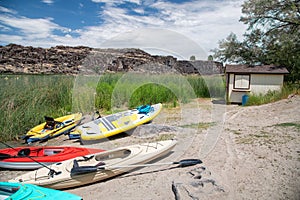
18	191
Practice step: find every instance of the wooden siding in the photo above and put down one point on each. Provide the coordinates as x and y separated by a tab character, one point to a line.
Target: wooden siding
262	83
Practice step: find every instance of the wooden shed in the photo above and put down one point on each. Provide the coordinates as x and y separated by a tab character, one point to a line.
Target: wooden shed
245	79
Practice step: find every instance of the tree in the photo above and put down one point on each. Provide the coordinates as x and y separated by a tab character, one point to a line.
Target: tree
193	58
272	37
229	49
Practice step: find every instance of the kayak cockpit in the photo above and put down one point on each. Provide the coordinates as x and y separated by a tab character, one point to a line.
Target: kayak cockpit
96	162
119	154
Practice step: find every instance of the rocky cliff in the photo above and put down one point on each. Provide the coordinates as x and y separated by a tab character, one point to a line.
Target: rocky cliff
17	59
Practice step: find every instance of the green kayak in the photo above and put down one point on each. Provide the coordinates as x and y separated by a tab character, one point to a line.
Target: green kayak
18	191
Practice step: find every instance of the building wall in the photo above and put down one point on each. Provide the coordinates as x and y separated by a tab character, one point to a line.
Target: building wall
259	84
262	83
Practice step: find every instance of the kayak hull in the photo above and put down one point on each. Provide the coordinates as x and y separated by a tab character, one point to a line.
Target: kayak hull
101	166
46	155
63	125
20	191
114	124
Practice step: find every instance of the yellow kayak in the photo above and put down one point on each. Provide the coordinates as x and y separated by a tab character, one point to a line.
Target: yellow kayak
114	124
53	127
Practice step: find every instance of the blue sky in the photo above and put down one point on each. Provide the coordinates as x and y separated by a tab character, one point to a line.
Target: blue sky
176	27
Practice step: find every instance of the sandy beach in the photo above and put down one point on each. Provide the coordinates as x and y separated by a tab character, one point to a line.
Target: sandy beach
247	153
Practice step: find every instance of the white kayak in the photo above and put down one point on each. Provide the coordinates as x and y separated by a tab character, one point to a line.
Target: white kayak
96	167
116	123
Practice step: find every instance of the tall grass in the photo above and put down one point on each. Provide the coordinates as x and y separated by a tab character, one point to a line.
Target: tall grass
26	99
135	89
208	86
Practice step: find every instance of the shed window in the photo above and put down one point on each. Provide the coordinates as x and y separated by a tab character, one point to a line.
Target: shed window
241	81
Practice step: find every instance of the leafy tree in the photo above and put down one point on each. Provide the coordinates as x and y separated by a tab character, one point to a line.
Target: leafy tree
193	58
229	49
210	58
272	37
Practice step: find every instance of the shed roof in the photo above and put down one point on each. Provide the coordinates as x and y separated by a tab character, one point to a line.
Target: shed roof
261	69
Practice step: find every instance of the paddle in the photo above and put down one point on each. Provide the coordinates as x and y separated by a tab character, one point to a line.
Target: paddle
76	170
52	171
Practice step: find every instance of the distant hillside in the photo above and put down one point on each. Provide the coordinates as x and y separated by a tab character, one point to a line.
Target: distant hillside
17	59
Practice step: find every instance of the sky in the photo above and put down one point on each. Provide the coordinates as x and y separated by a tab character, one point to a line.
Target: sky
180	28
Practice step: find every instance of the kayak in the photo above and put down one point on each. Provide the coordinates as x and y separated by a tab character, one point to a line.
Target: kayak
114	124
98	167
36	157
21	191
53	127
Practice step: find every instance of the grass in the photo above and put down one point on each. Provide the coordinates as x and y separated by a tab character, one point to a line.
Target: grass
290	124
201	125
273	96
165	137
263	138
26	99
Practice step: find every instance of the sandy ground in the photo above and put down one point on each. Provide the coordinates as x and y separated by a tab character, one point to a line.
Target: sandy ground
247	153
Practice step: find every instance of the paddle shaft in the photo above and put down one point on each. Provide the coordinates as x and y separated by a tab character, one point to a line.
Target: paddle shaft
143	165
181	163
29	157
92	169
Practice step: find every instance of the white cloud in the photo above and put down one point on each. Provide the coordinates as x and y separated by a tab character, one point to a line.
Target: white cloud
115	2
48	1
139	10
6	10
204	22
32	28
5	37
182	29
155	40
119	16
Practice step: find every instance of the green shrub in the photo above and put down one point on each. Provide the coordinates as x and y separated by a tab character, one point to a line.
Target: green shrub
273	96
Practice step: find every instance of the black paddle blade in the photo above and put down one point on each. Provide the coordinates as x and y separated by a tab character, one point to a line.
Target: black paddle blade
188	162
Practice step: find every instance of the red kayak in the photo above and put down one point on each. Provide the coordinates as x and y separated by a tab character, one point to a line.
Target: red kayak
36	157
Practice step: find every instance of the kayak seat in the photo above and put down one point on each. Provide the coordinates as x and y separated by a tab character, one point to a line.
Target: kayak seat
24	152
50	123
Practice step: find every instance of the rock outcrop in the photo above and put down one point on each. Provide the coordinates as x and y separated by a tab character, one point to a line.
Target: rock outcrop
17	59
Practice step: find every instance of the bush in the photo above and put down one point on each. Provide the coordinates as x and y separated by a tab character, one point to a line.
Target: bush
273	96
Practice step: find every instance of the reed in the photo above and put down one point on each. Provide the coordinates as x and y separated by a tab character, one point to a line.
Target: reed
26	99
